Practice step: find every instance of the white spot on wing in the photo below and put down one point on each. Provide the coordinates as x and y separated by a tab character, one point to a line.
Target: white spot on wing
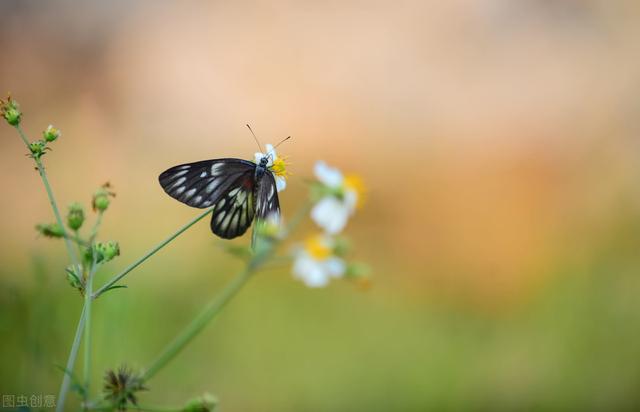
241	197
180	190
225	224
184	167
234	223
190	193
243	215
215	169
180	173
211	186
198	199
203	174
179	182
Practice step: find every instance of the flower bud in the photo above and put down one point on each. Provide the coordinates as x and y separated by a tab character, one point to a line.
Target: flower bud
37	149
75	217
204	403
269	228
73	279
51	134
341	246
107	250
50	230
357	270
101	198
10	110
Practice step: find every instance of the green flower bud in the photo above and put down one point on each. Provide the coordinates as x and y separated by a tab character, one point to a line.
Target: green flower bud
360	273
75	217
101	198
204	403
51	134
356	270
37	149
269	228
107	250
73	279
10	110
50	230
341	246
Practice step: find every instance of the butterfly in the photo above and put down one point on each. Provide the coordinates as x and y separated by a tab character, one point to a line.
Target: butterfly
238	190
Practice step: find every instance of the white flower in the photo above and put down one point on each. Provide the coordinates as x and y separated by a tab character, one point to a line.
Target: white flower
342	195
315	264
276	165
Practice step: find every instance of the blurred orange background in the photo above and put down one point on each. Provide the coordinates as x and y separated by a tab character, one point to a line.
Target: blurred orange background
498	139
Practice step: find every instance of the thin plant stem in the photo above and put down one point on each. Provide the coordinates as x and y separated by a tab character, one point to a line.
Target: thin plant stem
195	327
88	287
52	200
73	354
96	226
219	302
150	253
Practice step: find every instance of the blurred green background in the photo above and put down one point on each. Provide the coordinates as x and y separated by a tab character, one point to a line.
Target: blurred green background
499	142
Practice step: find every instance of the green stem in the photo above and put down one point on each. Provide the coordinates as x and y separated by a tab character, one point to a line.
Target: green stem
218	303
96	226
88	288
22	136
73	354
197	324
52	200
150	253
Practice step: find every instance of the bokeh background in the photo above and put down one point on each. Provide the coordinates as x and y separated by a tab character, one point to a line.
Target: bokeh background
499	141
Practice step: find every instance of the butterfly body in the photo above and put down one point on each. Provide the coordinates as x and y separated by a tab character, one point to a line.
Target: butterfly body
238	190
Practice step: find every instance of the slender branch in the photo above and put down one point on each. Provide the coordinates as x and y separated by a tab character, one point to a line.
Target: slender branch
88	288
214	307
96	226
195	327
73	354
22	136
52	200
150	253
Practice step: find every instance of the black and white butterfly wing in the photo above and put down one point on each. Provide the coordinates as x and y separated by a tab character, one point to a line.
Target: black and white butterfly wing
227	185
267	203
234	210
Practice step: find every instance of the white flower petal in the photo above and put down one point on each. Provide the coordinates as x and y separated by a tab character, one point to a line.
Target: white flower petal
281	183
328	175
335	267
330	214
271	153
350	200
309	270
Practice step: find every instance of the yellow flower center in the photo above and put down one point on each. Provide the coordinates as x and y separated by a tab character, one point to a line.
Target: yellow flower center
279	167
317	247
354	183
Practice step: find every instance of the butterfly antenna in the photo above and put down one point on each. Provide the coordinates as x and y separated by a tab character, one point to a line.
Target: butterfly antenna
255	138
282	141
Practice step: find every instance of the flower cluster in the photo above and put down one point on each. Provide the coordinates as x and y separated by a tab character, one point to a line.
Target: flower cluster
322	256
93	252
